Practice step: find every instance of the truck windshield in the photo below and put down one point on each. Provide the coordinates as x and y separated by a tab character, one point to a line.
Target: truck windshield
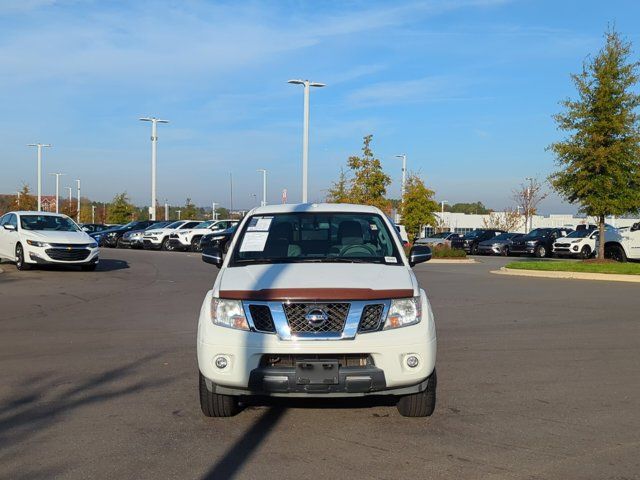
316	237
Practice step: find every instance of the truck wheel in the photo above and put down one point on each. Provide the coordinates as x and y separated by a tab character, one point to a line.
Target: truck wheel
541	251
585	252
420	404
195	244
474	249
20	263
615	252
215	405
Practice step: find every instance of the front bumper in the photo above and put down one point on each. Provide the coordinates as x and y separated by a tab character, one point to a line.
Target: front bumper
152	243
529	250
176	244
44	256
489	250
245	374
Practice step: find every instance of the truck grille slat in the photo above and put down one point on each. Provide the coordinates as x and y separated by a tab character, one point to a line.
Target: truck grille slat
371	318
262	319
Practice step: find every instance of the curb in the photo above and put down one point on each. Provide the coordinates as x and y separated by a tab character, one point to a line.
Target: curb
607	277
462	261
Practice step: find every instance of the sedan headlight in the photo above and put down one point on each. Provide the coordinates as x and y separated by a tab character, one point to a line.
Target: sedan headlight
403	312
35	243
228	313
531	242
576	241
93	245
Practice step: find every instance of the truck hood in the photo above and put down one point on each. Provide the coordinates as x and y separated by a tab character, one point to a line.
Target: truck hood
58	237
316	281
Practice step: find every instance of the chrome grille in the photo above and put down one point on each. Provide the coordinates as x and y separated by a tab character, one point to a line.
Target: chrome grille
371	318
336	317
262	319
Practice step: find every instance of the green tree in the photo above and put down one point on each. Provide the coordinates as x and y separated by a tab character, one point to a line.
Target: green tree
468	208
340	191
189	211
369	183
120	210
25	201
600	159
418	206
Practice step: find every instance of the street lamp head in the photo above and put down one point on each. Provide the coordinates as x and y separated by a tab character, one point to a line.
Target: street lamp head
317	84
297	82
401	156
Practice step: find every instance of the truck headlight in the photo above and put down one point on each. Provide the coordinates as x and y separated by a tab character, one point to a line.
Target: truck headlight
35	243
228	313
403	312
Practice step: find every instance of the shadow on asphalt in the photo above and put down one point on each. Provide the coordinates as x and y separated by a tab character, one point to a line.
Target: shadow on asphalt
33	408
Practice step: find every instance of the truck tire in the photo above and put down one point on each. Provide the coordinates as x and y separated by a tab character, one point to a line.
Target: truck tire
165	244
215	405
615	252
541	251
420	404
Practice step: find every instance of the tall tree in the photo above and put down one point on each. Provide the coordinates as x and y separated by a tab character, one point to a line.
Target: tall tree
510	220
418	206
189	211
120	210
369	183
528	197
24	200
600	159
339	192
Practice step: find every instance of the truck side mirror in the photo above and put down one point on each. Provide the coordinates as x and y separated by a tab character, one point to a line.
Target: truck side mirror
419	254
213	255
634	227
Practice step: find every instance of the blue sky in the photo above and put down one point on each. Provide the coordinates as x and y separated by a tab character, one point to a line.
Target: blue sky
466	88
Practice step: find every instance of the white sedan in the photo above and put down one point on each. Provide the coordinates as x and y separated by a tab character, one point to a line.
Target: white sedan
32	238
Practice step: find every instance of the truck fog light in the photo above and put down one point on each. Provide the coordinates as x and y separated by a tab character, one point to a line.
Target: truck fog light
221	362
412	361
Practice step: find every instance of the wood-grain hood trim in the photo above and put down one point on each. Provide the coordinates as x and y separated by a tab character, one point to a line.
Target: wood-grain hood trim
269	294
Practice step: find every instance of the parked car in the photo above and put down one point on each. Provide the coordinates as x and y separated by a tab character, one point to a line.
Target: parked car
94	227
442	238
39	238
470	241
580	243
499	245
316	301
158	238
190	239
111	237
622	244
538	242
133	238
219	239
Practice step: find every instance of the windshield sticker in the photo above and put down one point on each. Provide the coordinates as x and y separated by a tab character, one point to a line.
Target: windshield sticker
260	224
254	241
390	259
373	226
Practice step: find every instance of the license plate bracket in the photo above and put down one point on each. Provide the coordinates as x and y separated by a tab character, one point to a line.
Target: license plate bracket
313	372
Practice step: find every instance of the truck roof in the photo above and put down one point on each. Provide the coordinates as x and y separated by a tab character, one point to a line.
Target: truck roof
314	208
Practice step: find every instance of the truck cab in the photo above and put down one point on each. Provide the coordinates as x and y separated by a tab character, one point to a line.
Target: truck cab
623	244
316	300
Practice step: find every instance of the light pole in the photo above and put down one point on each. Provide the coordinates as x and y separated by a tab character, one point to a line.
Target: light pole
166	209
39	145
58	175
93	214
404	173
213	211
18	200
528	213
154	157
179	212
78	212
231	191
305	132
70	189
442	206
264	187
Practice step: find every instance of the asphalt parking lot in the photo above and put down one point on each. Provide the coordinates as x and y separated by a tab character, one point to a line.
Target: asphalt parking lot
537	379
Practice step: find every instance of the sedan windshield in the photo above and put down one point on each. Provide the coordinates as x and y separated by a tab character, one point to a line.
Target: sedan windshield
503	236
47	223
316	237
580	233
440	235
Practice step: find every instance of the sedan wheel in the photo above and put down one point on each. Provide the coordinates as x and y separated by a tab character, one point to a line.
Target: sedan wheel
20	263
505	251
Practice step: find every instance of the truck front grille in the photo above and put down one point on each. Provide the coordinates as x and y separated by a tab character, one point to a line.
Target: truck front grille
336	314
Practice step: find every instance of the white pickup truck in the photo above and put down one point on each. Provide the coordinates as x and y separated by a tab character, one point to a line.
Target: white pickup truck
316	300
623	244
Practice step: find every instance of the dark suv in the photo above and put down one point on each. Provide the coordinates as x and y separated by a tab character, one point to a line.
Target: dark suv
110	238
469	242
538	242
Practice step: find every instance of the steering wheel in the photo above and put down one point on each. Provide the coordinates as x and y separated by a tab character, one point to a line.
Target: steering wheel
358	251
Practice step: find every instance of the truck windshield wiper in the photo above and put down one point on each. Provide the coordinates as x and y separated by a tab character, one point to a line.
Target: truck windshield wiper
339	260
